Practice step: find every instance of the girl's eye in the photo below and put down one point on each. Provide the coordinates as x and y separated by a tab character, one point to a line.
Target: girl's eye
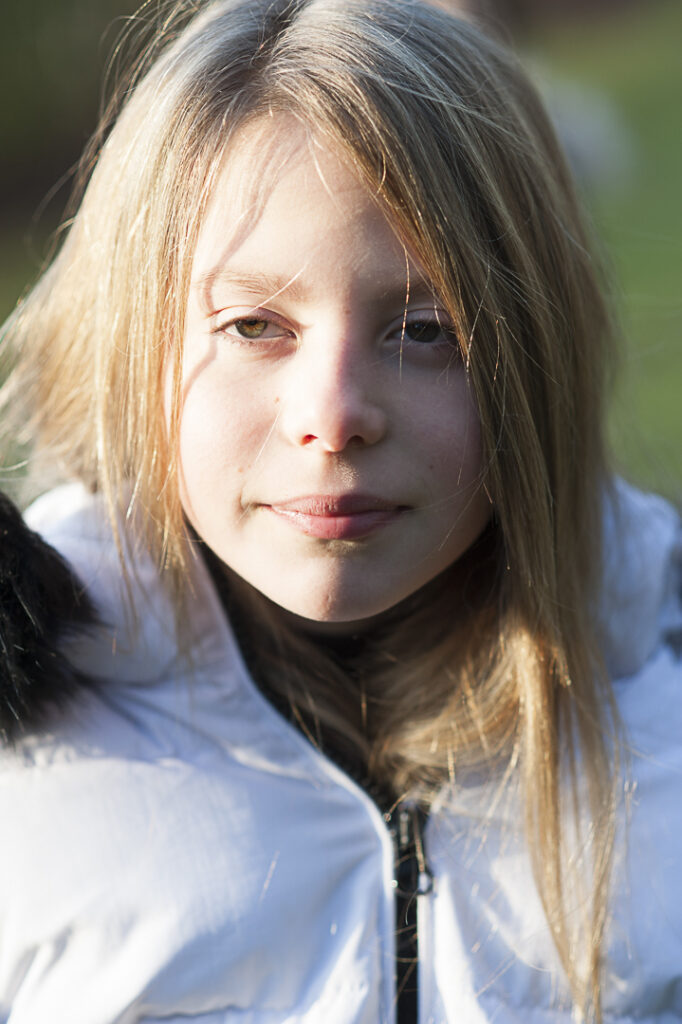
250	327
428	332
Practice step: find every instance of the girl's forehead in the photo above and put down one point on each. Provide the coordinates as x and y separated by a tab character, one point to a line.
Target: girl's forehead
278	156
283	190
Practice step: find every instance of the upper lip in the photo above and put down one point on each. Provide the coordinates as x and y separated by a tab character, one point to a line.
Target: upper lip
336	504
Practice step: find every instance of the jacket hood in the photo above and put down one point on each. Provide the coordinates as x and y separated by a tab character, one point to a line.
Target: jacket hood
641	598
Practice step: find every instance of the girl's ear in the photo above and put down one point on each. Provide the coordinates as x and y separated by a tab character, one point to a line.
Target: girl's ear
41	603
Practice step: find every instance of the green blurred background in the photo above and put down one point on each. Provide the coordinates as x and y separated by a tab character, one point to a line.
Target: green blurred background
612	73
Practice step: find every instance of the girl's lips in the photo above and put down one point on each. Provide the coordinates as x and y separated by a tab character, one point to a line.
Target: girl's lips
342	517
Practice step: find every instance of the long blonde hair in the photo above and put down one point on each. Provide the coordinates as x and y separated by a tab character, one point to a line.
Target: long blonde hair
499	661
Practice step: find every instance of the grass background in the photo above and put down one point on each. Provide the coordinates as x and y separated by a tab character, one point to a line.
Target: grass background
51	66
635	60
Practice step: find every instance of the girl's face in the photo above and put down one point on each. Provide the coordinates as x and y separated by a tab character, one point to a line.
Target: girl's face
329	441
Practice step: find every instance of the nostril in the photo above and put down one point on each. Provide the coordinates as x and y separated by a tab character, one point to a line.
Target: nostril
356	441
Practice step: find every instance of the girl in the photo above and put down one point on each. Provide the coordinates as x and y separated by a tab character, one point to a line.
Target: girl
322	361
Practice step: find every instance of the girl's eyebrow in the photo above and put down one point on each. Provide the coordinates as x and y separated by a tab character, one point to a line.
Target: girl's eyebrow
257	283
272	285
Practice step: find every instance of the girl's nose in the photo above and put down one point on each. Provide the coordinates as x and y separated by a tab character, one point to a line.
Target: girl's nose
333	400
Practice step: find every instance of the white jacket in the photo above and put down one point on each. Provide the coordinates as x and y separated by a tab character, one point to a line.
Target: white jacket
175	851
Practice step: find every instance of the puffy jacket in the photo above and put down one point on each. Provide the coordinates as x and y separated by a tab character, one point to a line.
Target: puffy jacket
173	850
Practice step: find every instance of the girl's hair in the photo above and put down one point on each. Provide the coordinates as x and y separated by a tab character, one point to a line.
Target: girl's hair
499	660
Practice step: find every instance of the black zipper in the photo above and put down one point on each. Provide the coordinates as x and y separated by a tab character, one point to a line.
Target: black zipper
411	879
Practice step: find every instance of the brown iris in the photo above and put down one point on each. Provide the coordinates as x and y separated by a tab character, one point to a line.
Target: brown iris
251	327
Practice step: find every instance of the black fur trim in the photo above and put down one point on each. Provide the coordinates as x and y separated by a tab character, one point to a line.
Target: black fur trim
41	603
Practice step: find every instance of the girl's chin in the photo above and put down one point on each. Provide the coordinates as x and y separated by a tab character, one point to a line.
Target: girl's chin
351	622
335	616
332	627
329	620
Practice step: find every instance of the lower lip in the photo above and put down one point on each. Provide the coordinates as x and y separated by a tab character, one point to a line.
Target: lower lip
342	527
